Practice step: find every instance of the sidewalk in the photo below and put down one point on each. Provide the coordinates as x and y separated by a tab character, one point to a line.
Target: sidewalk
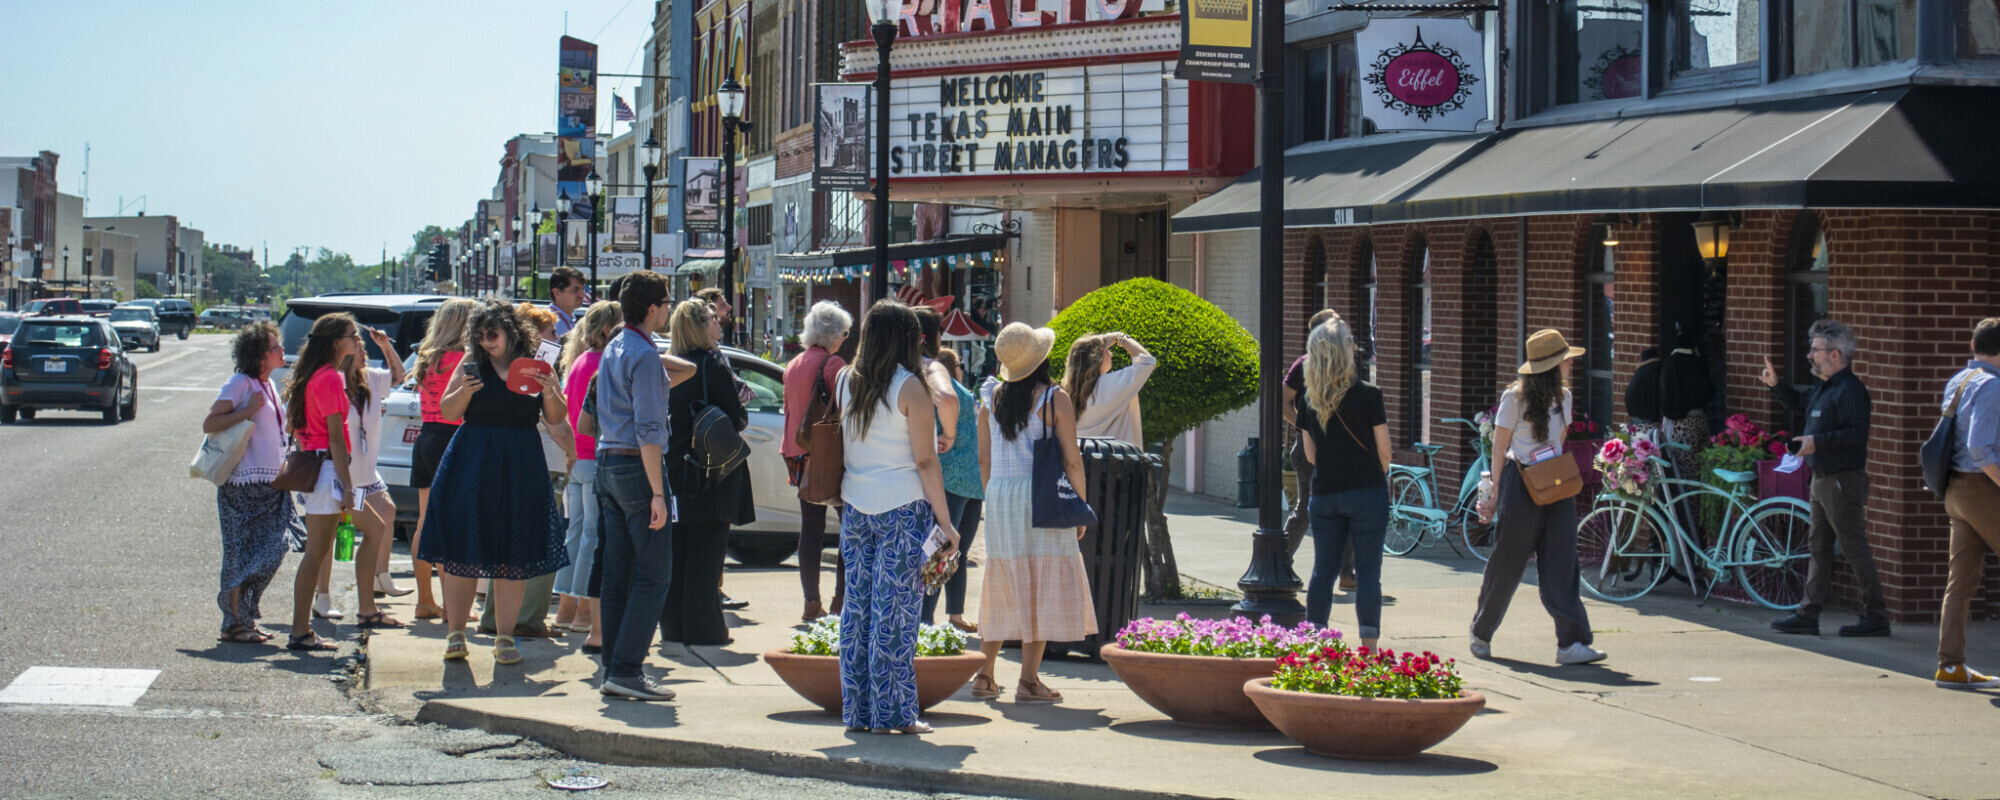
1694	701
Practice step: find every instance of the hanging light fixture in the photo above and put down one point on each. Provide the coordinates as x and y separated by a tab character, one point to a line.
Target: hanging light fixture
1711	234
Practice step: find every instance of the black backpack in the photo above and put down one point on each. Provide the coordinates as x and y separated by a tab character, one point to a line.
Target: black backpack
718	448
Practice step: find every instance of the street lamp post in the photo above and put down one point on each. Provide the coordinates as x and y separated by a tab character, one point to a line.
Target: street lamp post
731	95
88	257
594	185
493	259
65	283
652	171
884	14
535	250
514	274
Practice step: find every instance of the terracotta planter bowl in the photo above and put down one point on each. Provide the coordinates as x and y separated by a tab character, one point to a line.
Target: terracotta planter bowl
817	678
1196	691
1362	728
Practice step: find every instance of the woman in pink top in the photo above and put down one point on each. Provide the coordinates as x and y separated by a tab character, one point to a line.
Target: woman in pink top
437	358
826	328
578	609
316	406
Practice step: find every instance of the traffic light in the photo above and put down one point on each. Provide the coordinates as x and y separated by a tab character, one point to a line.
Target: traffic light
440	257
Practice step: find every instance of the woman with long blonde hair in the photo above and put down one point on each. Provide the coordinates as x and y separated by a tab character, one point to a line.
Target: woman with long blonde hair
1345	431
437	357
577	610
708	504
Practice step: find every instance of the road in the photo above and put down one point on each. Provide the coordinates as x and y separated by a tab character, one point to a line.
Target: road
109	557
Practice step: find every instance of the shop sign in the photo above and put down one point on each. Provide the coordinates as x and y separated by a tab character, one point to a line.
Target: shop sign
841	127
922	18
625	213
1422	74
701	198
1218	41
1111	118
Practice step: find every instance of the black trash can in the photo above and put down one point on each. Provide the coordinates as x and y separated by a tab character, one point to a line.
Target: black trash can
1116	475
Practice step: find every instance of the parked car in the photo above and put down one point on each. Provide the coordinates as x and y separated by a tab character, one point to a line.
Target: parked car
49	307
176	315
766	542
67	362
9	320
137	327
221	318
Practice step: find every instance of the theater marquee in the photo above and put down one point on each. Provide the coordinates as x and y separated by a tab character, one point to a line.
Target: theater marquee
1075	120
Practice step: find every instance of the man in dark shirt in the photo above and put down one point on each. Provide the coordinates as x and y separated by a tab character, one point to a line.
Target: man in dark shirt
1834	445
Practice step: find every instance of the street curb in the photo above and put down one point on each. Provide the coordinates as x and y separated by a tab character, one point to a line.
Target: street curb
628	749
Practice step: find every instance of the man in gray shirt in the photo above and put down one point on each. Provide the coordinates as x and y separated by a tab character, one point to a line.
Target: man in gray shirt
1971	499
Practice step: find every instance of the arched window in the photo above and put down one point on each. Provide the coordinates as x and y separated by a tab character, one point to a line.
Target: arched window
1363	321
1420	344
1597	398
1805	297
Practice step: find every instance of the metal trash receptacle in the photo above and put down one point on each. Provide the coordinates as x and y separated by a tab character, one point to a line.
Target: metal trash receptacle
1116	475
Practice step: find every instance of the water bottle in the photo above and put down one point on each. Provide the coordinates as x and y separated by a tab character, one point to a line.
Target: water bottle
343	541
1485	495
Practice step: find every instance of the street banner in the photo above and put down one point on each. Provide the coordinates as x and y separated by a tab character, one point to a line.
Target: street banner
1422	74
840	136
1219	41
576	242
701	195
625	214
576	123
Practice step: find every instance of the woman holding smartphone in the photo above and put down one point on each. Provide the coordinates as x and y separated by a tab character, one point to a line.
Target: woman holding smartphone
437	359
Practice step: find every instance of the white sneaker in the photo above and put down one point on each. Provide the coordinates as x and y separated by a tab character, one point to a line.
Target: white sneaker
1578	653
1482	648
323	607
644	687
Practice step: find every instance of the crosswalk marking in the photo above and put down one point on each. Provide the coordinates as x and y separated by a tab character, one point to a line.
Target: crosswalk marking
79	686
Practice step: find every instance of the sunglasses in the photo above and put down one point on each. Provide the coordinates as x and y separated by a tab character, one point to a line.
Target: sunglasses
491	334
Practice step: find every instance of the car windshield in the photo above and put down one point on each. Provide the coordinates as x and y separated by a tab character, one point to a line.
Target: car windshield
51	334
131	315
299	318
9	324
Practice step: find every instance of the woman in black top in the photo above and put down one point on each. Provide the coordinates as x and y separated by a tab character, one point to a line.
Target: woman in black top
706	506
1346	434
1642	395
1685	390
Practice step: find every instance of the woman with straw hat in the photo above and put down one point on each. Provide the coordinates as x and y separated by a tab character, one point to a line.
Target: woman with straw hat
1035	589
1534	414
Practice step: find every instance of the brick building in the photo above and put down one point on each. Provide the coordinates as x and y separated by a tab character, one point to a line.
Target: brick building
1851	172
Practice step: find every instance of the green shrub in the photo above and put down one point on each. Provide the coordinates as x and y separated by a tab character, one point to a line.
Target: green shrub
1208	362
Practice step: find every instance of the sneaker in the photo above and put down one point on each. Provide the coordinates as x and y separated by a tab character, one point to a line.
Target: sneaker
639	688
1960	676
1482	648
1795	623
1578	653
1866	627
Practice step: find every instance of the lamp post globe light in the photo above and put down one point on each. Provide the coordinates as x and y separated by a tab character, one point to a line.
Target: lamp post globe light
652	171
593	186
730	97
882	16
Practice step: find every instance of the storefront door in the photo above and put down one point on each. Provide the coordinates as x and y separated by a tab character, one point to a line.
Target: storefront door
1134	246
1685	298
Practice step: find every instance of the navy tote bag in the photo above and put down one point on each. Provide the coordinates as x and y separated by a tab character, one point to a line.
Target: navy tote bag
1056	504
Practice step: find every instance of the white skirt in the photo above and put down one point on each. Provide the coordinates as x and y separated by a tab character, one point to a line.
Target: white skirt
327	494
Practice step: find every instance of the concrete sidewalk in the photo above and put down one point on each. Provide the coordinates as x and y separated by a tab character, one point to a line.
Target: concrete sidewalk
1694	701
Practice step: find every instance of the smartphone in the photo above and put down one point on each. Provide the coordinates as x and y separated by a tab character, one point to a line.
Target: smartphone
1792	447
471	369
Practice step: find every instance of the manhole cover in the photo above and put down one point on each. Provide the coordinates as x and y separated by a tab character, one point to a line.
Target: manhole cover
578	783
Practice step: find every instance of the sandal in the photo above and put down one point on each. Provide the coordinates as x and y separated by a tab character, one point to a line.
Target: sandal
992	690
309	642
910	729
454	646
244	636
377	620
965	625
429	612
1034	693
504	651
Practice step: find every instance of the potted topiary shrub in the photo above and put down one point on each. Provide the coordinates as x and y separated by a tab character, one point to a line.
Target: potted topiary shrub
1208	368
1370	705
1192	670
811	666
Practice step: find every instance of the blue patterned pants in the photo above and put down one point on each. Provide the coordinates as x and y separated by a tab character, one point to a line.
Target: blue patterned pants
878	623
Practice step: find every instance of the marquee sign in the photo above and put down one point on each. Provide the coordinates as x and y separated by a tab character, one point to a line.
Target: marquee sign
1112	118
920	18
1417	83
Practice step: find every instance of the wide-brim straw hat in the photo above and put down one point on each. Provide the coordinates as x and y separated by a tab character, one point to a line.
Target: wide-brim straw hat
1022	350
1546	350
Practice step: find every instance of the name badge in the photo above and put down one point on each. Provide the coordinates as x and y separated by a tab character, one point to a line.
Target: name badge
1815	412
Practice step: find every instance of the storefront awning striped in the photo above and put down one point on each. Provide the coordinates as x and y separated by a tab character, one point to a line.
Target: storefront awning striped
902	251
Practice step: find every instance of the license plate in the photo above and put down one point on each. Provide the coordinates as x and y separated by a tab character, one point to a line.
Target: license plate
54	365
410	433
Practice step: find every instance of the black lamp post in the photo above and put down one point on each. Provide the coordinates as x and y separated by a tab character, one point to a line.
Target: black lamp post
652	171
514	271
65	283
88	257
883	14
1269	585
593	185
535	248
731	97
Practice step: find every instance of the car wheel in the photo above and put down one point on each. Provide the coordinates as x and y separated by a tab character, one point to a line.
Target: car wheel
7	415
27	413
761	555
184	331
129	410
111	411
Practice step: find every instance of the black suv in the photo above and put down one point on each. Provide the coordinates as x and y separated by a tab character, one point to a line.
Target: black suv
404	317
176	315
67	362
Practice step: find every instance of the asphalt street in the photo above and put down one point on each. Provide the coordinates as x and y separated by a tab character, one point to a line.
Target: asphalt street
109	558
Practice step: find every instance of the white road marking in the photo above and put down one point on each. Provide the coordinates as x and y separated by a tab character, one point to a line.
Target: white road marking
207	389
79	686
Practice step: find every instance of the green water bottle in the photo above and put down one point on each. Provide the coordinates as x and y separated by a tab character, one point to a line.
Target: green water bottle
343	542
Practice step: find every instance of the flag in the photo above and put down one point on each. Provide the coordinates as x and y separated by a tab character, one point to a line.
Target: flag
624	111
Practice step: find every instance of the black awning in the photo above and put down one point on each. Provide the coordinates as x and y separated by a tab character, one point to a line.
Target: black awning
902	251
1923	147
1335	186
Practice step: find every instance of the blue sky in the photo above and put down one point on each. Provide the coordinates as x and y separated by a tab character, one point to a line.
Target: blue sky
339	125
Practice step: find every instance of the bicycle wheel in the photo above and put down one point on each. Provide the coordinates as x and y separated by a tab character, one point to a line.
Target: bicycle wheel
1406	530
1620	552
1478	536
1774	548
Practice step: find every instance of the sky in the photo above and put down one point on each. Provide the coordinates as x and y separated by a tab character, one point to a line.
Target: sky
344	125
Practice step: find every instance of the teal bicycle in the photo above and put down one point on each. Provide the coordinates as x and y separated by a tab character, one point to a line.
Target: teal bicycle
1414	513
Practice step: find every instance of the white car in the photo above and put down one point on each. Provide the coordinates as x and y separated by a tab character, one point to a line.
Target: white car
766	542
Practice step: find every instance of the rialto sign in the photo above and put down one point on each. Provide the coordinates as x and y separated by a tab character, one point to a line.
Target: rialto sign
1112	118
931	17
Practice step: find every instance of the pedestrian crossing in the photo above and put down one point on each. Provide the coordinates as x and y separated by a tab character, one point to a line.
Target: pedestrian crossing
79	686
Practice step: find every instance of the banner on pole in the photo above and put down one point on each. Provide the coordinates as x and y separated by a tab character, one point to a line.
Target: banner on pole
1218	41
841	125
1422	74
576	124
701	195
625	224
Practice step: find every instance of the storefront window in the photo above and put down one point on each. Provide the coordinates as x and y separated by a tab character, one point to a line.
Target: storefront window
1886	30
1598	45
1599	335
1711	34
1363	324
1979	32
1819	35
1330	94
1420	346
1824	32
1805	298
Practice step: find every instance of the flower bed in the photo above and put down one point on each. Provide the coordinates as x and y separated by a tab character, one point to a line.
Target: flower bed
1193	670
1236	637
811	666
1369	673
1365	704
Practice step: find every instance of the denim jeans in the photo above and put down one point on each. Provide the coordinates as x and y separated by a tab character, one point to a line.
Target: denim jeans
1360	517
638	564
964	513
580	500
